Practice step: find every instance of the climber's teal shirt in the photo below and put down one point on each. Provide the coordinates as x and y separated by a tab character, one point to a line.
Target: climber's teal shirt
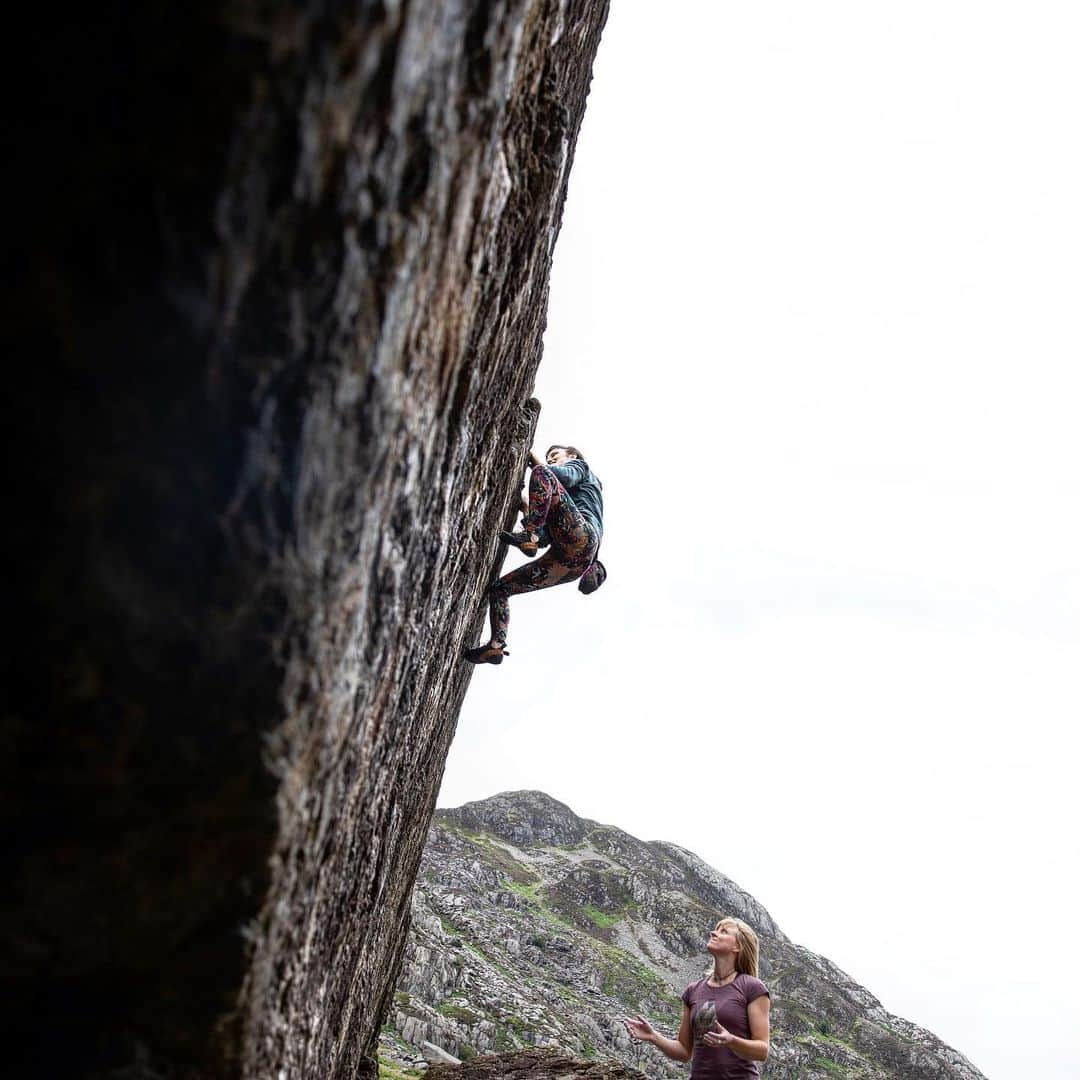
583	487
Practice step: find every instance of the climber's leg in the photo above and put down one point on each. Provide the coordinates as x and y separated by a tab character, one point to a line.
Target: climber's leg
548	570
551	508
545	493
571	534
574	543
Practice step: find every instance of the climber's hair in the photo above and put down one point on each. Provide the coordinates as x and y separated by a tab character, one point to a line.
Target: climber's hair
746	959
569	449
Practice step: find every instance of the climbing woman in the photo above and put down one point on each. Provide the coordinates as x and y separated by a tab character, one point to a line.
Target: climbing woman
566	511
725	1021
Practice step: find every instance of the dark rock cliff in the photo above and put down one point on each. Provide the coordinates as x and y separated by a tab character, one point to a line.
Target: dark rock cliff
281	278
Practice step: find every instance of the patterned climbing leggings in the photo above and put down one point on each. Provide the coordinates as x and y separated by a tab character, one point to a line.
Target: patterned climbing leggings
574	543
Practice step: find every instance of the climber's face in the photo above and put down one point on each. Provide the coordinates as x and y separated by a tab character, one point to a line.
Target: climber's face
557	455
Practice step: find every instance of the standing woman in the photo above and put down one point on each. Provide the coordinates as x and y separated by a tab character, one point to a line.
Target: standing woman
566	511
725	1022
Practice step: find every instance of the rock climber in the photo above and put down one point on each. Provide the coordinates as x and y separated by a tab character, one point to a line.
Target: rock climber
564	512
725	1021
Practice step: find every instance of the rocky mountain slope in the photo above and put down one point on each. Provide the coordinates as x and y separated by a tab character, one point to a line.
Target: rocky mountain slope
533	927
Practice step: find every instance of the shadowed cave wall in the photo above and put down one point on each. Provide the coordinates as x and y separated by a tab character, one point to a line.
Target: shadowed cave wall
281	277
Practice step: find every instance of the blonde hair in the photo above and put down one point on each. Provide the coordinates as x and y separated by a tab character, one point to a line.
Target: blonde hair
746	959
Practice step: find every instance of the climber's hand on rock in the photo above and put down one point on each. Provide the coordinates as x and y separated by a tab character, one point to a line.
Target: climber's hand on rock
639	1028
534	460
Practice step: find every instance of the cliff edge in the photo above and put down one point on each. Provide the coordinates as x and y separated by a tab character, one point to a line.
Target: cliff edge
282	279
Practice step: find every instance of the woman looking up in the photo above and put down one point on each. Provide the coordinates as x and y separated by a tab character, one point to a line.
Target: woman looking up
566	511
725	1022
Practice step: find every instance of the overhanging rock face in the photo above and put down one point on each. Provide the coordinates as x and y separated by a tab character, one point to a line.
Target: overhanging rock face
283	274
448	194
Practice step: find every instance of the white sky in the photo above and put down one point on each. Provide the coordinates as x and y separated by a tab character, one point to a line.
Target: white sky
813	321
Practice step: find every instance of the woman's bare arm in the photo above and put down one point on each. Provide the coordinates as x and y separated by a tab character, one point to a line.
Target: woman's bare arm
679	1049
756	1048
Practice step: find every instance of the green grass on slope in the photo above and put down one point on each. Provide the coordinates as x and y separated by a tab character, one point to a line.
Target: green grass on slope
459	1012
624	976
494	853
601	918
527	890
831	1067
390	1070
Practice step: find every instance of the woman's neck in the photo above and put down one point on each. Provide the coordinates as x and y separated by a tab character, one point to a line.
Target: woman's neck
722	971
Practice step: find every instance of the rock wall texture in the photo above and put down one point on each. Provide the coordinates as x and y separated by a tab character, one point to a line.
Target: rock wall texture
282	278
533	1065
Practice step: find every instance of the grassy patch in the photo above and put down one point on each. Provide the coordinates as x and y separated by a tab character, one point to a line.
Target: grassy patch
831	1067
403	1003
492	852
815	1038
577	903
458	1012
526	889
629	980
600	918
533	892
504	1041
518	1026
390	1070
501	968
504	861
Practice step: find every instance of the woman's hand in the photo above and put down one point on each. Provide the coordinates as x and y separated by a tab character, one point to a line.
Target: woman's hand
534	460
756	1048
639	1029
717	1035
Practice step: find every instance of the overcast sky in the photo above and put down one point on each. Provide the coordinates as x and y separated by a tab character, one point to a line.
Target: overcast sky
814	323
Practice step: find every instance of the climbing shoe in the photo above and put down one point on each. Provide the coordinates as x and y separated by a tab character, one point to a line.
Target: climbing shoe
486	654
527	542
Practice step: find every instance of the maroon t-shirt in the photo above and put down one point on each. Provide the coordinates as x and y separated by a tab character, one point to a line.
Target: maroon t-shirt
731	1001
